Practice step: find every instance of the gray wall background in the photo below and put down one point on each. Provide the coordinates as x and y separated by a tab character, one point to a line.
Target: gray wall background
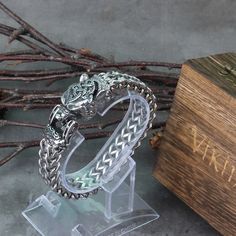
164	30
167	30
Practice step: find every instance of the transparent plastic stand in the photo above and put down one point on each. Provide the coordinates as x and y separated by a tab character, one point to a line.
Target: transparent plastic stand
115	210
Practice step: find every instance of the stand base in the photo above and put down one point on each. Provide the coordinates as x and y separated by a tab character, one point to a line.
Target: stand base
54	216
114	211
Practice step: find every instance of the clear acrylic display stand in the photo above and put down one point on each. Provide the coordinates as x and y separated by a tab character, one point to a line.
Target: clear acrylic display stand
115	210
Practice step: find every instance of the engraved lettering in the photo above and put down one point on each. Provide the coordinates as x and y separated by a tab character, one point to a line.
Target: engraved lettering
231	175
196	146
214	156
225	165
205	152
217	159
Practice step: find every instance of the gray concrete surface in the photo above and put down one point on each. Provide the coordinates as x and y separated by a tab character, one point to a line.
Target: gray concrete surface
162	30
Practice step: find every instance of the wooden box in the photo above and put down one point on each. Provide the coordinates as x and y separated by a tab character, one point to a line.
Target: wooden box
197	157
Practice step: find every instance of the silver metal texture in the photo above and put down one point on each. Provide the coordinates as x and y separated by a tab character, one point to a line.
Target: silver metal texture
83	100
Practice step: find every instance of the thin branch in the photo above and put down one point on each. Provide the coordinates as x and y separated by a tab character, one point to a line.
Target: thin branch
101	134
99	125
16	33
140	64
76	62
24	41
26	106
162	107
35	58
17	123
32	97
15	53
26	91
27	27
158	125
28	73
7	158
20	146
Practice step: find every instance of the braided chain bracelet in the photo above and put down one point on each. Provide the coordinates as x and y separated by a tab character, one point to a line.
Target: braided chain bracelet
91	96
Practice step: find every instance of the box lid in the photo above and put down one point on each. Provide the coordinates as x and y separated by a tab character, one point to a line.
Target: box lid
220	69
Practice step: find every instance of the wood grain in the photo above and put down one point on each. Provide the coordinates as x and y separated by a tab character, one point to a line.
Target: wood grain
197	157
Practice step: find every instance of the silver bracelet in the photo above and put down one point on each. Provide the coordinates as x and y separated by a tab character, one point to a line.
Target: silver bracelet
91	96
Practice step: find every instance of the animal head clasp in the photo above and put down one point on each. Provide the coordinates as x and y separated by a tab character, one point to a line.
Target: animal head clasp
79	97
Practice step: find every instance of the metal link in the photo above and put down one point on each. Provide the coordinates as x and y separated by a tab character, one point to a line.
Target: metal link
51	147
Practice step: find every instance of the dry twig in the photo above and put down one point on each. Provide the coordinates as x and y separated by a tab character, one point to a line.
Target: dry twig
76	62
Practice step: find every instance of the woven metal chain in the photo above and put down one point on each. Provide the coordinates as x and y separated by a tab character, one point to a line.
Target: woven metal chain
125	137
50	155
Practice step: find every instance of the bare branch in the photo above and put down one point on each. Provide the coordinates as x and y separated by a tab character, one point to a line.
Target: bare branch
17	123
27	27
76	62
